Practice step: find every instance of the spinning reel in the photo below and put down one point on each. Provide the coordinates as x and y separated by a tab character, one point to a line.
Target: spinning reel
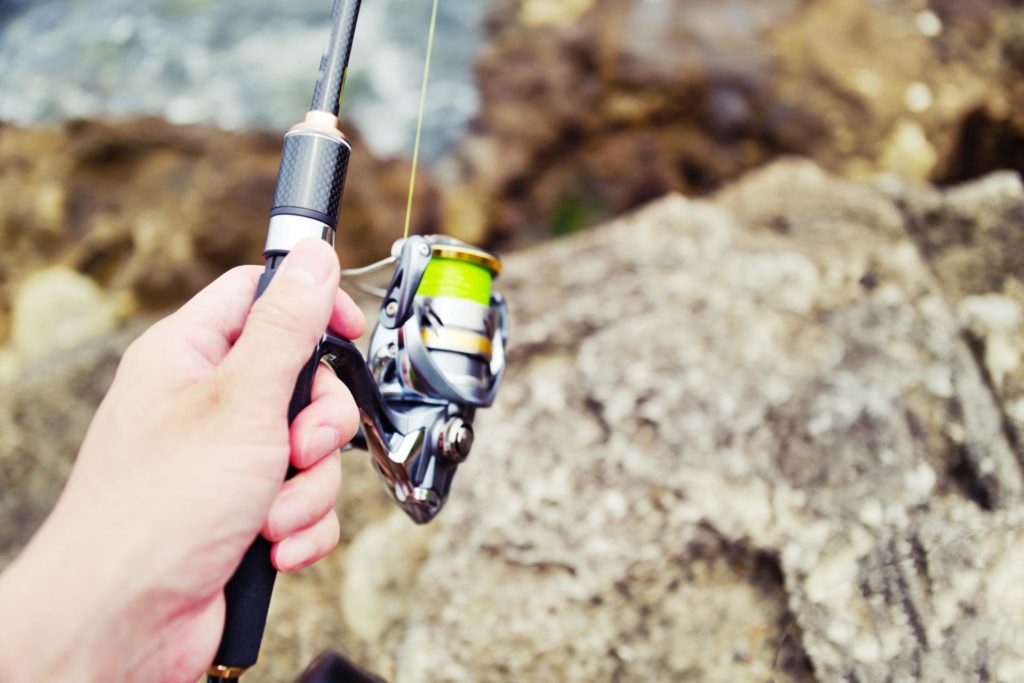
436	355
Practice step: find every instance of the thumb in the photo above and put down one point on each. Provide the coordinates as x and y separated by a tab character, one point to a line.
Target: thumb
284	326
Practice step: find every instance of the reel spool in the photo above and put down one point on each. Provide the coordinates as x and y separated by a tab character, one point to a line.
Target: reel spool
436	355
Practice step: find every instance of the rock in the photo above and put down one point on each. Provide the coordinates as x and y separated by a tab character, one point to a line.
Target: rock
971	235
591	108
381	563
740	440
540	13
56	309
157	211
908	153
996	320
44	413
760	436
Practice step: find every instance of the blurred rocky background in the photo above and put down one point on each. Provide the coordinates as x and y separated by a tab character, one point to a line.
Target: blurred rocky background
764	418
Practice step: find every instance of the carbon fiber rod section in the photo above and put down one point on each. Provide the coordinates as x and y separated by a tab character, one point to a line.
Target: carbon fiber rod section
334	63
311	178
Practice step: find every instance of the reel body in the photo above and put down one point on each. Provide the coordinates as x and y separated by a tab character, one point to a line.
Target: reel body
436	355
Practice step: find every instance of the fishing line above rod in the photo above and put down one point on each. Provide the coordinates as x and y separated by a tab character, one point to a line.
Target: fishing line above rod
419	118
354	275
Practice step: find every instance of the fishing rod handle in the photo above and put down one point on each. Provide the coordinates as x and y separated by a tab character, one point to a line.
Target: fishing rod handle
247	594
307	200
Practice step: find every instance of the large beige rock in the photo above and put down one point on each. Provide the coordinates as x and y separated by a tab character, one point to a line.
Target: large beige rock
741	440
767	436
972	236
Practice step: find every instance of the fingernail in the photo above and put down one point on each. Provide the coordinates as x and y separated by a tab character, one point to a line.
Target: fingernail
320	442
308	263
295	552
290	515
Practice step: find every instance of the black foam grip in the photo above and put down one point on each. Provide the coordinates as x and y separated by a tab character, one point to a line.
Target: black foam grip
248	592
248	600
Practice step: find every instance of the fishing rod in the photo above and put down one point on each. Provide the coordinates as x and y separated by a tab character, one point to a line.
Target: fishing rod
436	355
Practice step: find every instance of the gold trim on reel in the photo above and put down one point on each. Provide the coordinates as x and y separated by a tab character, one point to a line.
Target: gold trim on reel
465	252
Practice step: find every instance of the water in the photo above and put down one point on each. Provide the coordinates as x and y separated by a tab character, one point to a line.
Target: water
236	63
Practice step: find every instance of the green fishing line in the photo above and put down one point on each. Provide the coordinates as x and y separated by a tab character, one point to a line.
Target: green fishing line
457	278
419	118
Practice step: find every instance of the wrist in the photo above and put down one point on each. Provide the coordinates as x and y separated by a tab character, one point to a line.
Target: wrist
27	651
12	666
53	614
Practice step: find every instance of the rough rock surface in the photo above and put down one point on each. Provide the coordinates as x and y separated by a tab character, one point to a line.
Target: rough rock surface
43	417
974	239
741	441
758	437
590	107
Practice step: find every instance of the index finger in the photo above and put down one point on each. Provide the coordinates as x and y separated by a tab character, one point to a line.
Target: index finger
223	305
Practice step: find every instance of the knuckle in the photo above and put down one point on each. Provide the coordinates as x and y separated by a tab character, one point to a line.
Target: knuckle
333	532
339	405
247	272
335	409
332	464
324	537
131	356
326	383
276	532
144	346
348	422
342	410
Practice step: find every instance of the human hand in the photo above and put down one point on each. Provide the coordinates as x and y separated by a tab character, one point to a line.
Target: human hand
181	468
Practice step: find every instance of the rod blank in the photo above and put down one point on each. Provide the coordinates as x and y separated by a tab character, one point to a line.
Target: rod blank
334	64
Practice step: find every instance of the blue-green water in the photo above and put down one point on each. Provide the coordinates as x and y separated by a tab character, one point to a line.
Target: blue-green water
236	63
